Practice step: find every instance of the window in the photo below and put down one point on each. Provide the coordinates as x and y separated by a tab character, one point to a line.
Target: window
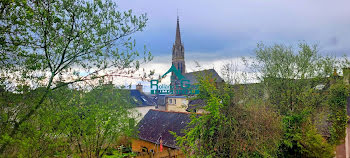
170	101
135	99
144	149
181	68
175	101
143	98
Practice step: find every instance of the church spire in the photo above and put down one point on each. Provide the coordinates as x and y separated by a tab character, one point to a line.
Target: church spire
178	36
178	59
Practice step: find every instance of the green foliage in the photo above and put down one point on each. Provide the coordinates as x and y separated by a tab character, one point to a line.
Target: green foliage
52	44
281	122
301	138
283	116
230	130
312	144
74	122
54	36
291	79
289	75
118	154
338	117
202	135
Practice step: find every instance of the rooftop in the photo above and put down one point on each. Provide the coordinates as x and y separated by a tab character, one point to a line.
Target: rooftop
141	99
192	76
156	124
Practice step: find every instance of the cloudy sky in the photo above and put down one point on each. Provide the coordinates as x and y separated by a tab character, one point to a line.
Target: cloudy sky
214	32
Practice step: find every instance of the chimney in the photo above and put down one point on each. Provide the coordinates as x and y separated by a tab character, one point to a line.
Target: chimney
334	77
139	87
346	75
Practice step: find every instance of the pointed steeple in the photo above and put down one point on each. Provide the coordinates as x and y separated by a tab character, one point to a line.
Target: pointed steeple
178	36
178	59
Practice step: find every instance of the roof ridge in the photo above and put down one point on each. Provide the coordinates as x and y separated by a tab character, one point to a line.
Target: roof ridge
200	71
174	111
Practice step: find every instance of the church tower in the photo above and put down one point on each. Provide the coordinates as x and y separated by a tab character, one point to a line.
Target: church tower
178	59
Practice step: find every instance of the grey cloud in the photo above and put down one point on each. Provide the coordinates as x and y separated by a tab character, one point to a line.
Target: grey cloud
234	27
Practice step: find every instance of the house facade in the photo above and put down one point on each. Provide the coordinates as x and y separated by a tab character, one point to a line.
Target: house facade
142	102
176	103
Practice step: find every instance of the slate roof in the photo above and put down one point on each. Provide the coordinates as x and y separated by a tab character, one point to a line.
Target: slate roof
159	99
158	123
140	99
192	76
196	104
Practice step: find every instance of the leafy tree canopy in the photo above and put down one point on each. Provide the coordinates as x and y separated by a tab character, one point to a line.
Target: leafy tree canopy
55	43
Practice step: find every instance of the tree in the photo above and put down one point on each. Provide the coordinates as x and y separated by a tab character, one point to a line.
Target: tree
287	74
53	41
230	129
93	121
231	73
74	123
12	30
282	117
295	82
338	116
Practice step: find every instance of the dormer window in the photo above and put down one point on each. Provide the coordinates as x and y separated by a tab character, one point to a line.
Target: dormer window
135	99
143	98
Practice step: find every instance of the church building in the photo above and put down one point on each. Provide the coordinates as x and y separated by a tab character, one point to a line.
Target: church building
178	56
178	61
171	115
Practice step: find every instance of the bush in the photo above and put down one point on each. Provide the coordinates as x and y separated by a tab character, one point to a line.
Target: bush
338	117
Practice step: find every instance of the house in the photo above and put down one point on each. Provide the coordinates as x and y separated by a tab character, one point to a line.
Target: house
155	127
160	101
176	103
192	76
196	105
142	102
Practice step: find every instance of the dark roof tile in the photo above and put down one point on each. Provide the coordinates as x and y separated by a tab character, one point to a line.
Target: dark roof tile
196	104
159	99
158	123
141	99
192	76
